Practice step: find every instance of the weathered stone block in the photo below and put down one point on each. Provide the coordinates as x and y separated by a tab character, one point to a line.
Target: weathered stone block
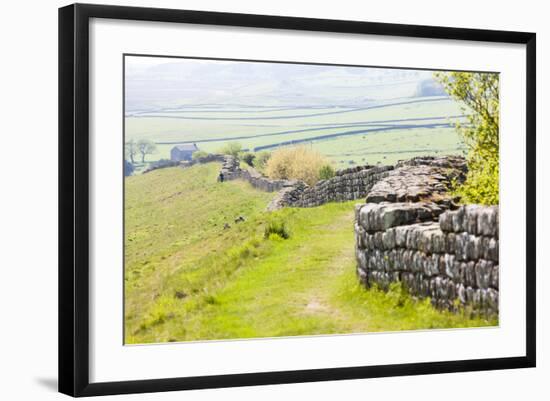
483	270
461	241
451	243
446	222
469	274
472	247
450	265
438	241
388	239
458	220
471	218
401	236
417	262
407	259
369	241
487	223
378	244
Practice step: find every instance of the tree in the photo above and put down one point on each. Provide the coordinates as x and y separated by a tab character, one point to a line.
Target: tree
479	95
232	148
145	147
131	150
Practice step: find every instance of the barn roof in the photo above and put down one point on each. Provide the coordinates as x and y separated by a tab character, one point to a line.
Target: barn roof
190	146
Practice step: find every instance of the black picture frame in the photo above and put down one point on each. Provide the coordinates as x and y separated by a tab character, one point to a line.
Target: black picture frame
74	198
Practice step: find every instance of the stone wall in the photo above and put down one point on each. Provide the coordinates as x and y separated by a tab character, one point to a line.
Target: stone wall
349	184
419	179
435	252
162	163
231	170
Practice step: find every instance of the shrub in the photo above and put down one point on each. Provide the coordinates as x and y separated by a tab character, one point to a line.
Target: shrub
278	228
299	163
481	185
261	159
326	172
199	154
248	158
231	148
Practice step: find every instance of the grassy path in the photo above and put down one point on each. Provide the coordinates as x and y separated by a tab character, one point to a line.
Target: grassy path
235	283
287	292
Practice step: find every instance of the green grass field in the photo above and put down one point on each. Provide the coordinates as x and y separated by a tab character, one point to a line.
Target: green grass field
189	278
341	132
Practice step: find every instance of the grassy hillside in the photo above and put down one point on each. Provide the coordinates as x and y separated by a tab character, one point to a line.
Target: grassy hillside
189	278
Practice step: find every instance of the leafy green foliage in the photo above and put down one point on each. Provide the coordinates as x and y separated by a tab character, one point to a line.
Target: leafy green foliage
481	185
479	95
199	154
232	149
261	159
326	172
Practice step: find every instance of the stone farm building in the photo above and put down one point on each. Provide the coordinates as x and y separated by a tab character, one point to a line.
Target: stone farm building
183	152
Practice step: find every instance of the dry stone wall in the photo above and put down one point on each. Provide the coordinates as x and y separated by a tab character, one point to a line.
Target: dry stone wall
420	179
349	184
231	170
450	256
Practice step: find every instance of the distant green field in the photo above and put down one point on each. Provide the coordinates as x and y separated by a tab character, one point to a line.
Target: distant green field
188	278
376	132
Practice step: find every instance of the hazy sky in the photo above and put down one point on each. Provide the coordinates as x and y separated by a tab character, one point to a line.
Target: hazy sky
154	82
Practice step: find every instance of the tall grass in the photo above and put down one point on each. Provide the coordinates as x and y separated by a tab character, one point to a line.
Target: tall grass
276	227
297	162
